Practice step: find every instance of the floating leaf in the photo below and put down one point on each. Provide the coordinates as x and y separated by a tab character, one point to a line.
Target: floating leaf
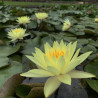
30	45
94	43
83	41
28	90
32	25
3	61
7	72
88	48
10	85
8	50
23	90
92	67
88	31
37	92
93	84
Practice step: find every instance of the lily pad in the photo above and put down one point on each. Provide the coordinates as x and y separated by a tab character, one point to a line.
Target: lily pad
93	84
23	90
36	92
7	72
92	68
88	48
30	45
4	61
83	41
32	25
30	90
8	50
8	90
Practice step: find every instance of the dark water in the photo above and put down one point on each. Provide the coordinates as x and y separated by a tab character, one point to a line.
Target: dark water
76	90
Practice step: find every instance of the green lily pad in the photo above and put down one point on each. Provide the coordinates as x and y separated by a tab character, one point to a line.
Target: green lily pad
88	48
92	68
32	25
30	45
93	84
88	31
16	57
30	90
94	43
83	41
3	61
36	92
8	50
7	72
8	90
23	90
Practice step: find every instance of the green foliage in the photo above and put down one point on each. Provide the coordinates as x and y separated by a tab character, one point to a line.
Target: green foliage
5	51
83	29
33	90
93	68
23	90
4	61
10	86
93	84
7	72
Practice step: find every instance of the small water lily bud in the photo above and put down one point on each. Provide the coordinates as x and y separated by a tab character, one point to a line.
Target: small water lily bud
23	20
17	33
66	25
41	16
96	20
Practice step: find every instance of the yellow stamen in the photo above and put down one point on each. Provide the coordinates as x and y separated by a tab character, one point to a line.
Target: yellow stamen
18	30
57	53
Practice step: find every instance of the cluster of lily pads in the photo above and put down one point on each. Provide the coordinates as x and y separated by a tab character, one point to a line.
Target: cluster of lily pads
24	29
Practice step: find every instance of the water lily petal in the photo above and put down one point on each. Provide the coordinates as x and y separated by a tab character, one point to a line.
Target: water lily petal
75	55
73	49
33	59
65	79
47	47
37	73
80	74
52	70
55	45
84	56
68	52
51	62
63	45
71	66
51	86
61	63
40	56
76	62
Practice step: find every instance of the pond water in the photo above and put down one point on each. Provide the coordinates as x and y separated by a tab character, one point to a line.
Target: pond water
76	90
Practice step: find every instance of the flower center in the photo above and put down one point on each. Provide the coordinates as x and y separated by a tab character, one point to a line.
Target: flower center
18	30
55	52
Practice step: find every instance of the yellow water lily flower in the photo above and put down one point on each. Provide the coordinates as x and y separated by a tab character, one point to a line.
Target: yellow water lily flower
17	33
41	16
96	19
58	63
23	20
66	25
